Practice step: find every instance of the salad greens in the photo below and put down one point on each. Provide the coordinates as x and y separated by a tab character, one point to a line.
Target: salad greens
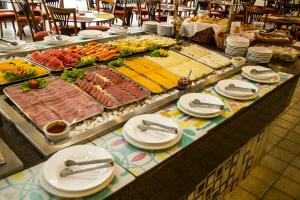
19	74
126	52
86	60
154	47
40	83
159	53
72	75
116	63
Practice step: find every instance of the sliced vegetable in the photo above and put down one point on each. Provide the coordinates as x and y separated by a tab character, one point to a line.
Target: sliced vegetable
39	83
116	63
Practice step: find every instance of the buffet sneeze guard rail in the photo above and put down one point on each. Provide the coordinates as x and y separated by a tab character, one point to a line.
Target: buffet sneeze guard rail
37	138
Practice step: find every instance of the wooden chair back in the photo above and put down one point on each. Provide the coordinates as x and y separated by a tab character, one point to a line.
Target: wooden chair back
23	7
253	13
61	18
152	6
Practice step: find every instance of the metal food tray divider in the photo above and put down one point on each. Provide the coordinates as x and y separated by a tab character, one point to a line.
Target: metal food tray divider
34	135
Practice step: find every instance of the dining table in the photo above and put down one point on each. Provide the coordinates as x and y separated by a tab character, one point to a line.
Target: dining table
86	17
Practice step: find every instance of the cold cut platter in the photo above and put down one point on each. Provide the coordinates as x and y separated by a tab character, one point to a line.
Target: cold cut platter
58	100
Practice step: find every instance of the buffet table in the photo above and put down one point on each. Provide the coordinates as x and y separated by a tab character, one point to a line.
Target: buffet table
211	158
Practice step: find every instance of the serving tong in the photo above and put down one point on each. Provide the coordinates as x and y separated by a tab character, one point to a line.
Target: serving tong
69	171
55	37
8	43
257	72
198	103
148	125
233	87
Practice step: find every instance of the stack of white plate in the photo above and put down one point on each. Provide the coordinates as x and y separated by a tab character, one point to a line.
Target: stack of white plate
52	40
90	34
80	184
151	139
183	104
236	45
165	29
7	47
222	89
259	54
150	26
269	77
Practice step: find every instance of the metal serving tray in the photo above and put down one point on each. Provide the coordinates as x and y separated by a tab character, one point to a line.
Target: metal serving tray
21	80
199	60
51	70
34	135
32	121
121	104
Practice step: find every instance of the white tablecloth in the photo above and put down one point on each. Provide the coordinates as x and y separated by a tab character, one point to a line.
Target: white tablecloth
190	29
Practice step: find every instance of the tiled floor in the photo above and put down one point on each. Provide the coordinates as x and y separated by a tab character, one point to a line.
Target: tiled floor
277	177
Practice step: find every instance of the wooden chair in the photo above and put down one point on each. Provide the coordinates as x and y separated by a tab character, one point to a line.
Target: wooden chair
140	10
28	18
253	13
124	10
153	6
61	18
107	6
6	16
51	3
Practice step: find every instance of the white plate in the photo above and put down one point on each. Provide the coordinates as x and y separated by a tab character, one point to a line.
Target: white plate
51	40
64	194
90	34
149	146
205	98
224	83
180	107
274	79
20	45
247	70
117	31
82	181
150	136
218	90
260	50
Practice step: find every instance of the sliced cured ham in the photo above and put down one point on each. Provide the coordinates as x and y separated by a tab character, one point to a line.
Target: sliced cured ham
59	100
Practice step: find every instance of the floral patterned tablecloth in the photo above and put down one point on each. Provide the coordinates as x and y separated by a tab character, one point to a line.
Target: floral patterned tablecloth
138	161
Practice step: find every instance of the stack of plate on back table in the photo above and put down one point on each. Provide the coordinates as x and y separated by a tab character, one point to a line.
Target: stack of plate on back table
236	89
151	132
62	175
236	45
150	26
6	46
165	29
259	54
260	74
90	34
200	105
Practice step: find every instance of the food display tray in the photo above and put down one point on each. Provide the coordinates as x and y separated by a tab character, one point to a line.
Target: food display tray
21	80
51	70
122	104
29	117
